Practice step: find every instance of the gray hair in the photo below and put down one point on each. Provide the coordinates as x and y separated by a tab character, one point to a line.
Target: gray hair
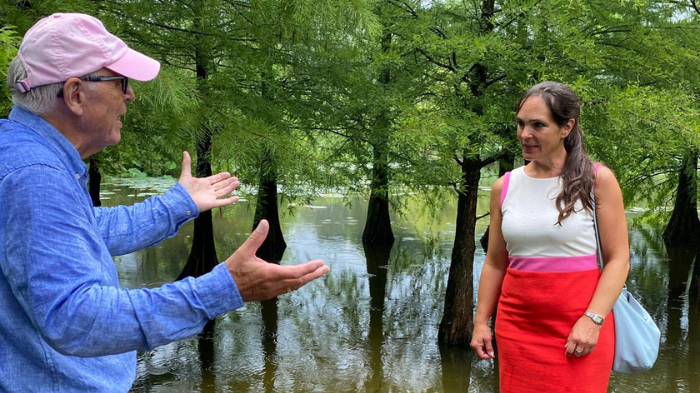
40	99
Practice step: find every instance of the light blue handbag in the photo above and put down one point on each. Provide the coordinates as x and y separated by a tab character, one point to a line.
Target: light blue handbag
636	335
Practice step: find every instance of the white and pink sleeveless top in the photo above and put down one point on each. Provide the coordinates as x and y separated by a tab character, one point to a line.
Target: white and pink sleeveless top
534	240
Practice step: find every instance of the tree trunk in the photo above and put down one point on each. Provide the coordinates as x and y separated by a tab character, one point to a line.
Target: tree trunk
458	321
683	230
267	208
378	230
94	181
505	164
202	258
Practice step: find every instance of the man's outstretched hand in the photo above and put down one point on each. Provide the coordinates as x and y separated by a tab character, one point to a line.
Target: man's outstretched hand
259	280
208	192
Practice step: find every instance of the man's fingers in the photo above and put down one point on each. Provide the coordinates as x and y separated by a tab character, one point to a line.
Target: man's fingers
296	276
251	245
295	272
298	281
228	188
225	202
218	177
318	273
186	165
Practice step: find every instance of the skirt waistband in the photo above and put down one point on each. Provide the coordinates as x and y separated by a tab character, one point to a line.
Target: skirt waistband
553	264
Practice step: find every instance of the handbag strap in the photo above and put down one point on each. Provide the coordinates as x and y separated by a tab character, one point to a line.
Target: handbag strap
599	248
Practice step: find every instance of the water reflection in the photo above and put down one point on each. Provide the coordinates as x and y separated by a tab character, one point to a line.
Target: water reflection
206	350
269	343
455	376
371	324
377	265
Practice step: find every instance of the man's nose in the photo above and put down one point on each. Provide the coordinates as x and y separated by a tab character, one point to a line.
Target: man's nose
129	94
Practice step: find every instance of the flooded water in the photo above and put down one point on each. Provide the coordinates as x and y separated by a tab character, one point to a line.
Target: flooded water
371	324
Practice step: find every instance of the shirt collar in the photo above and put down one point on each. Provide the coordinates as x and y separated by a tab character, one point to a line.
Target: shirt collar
66	151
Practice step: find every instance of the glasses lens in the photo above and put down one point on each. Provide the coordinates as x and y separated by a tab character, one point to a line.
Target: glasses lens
125	85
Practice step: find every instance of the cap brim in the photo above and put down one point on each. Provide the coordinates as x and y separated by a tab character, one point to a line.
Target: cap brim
135	65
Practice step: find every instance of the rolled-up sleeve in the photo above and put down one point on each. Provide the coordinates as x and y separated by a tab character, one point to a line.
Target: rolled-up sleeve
62	273
126	229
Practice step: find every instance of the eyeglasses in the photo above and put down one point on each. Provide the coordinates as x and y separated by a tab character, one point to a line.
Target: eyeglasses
100	78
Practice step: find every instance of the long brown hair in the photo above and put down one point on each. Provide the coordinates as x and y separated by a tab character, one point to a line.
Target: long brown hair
577	175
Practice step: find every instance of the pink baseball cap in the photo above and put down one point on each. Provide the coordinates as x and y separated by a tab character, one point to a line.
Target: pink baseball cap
63	46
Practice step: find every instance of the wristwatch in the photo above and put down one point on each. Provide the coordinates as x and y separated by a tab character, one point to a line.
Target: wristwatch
597	319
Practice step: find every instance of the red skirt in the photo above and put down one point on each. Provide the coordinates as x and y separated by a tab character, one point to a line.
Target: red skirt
536	313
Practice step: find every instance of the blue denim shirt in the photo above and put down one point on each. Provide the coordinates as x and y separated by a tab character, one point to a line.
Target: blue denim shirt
65	324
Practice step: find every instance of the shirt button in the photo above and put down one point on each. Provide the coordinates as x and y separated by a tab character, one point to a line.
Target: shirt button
77	175
189	213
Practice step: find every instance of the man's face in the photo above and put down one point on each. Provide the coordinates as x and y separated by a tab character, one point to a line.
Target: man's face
105	106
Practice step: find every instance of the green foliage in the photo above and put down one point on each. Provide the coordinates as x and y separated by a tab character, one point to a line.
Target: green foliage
250	65
9	43
321	86
158	126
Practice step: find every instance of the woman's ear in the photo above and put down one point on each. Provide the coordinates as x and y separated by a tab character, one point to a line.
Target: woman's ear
568	127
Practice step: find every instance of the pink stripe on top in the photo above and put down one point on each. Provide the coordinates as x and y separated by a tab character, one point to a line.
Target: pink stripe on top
504	190
553	264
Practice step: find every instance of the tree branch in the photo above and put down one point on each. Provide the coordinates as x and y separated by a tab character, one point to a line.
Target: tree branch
491	160
695	6
437	63
483	215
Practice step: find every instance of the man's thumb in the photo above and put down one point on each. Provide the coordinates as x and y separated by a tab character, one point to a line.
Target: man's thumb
256	238
186	165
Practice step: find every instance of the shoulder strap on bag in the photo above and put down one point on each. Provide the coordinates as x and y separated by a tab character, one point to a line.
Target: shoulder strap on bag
599	251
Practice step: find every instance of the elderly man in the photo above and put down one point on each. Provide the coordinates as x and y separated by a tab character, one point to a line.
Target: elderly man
66	325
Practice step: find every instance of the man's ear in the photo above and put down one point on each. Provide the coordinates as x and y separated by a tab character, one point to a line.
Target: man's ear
74	95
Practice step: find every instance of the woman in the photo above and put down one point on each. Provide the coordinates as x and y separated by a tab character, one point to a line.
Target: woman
554	329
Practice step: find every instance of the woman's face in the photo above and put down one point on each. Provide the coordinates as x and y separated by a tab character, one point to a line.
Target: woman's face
540	136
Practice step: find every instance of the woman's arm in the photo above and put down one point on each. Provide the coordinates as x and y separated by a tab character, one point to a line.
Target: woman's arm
491	278
612	226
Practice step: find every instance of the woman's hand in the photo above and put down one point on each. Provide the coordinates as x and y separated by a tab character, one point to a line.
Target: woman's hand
482	341
583	337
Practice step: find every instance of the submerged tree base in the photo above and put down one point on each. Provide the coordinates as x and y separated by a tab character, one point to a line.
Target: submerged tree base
378	232
683	229
202	258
